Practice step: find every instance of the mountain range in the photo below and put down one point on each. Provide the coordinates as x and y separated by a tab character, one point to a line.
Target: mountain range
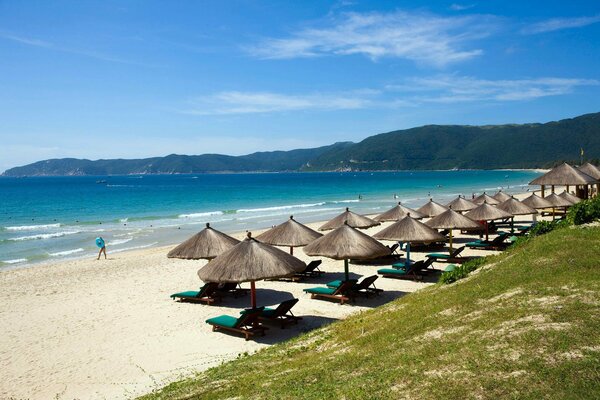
428	147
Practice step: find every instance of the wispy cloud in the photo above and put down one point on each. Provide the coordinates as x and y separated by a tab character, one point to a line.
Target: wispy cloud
460	89
461	7
235	102
420	37
556	24
51	46
409	93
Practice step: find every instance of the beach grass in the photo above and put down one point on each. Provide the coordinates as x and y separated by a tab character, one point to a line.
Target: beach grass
524	325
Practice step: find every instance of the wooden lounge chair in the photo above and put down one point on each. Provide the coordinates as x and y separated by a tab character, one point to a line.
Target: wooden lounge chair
453	257
207	294
283	313
366	286
340	293
401	271
393	249
496	244
231	288
247	324
422	267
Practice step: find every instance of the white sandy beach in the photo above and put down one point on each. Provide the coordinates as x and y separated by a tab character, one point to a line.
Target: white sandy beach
108	330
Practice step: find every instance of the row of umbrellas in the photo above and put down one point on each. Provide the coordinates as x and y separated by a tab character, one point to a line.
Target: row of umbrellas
256	259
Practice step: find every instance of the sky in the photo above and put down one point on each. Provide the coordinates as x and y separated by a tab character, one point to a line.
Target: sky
133	79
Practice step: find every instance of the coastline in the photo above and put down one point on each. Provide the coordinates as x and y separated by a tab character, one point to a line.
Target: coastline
107	329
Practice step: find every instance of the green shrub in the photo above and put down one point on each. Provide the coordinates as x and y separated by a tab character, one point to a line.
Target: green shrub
461	271
584	212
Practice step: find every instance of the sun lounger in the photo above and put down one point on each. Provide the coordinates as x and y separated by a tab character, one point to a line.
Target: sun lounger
450	257
496	244
401	271
282	313
207	294
366	286
247	324
232	288
342	293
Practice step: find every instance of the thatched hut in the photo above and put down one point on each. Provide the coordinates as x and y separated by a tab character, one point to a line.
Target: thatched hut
350	218
291	234
206	244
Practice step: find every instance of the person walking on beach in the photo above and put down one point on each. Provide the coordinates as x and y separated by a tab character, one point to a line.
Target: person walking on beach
102	245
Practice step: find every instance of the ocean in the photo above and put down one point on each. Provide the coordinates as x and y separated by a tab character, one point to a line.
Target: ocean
54	218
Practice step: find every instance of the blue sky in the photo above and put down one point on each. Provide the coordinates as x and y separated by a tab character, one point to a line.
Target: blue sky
133	79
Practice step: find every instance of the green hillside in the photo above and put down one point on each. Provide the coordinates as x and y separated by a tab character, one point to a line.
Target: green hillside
526	325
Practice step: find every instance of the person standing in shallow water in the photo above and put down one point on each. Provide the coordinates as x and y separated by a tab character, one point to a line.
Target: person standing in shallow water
102	245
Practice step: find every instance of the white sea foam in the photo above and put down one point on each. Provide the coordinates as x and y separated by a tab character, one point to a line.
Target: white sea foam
278	208
119	241
15	261
200	215
65	253
43	236
134	248
31	227
344	201
124	220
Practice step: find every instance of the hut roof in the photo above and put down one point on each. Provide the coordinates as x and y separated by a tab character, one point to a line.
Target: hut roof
501	196
487	212
346	242
591	170
485	198
409	229
451	219
250	260
515	207
564	174
352	219
290	233
461	204
206	244
569	197
537	202
558	201
398	212
431	209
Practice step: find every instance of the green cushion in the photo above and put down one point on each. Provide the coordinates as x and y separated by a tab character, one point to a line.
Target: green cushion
334	284
391	271
268	312
438	255
223	320
478	244
191	293
400	265
450	268
321	290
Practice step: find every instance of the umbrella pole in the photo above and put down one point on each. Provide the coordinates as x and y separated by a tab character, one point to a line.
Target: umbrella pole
487	232
253	294
291	250
512	225
553	213
450	241
407	263
346	272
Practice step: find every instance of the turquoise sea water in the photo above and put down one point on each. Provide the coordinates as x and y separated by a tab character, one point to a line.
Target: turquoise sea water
59	217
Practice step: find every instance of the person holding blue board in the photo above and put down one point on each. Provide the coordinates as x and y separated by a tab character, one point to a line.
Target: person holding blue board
102	245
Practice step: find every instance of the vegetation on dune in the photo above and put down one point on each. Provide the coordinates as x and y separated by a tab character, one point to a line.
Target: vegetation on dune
525	325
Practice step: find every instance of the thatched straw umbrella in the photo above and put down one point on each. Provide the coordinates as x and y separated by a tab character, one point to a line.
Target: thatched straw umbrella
501	196
353	219
537	202
397	213
461	204
565	175
250	261
346	243
593	171
569	197
450	220
487	212
515	207
431	209
409	230
291	233
557	202
206	244
485	198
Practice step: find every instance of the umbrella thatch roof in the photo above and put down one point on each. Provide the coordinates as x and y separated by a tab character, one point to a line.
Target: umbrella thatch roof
431	209
451	219
515	207
591	170
353	219
397	213
487	212
558	201
250	260
569	197
535	201
485	198
208	243
461	204
564	174
290	233
501	196
345	243
409	229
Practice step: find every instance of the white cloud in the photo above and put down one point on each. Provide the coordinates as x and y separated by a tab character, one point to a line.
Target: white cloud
458	89
419	37
556	24
461	7
235	102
